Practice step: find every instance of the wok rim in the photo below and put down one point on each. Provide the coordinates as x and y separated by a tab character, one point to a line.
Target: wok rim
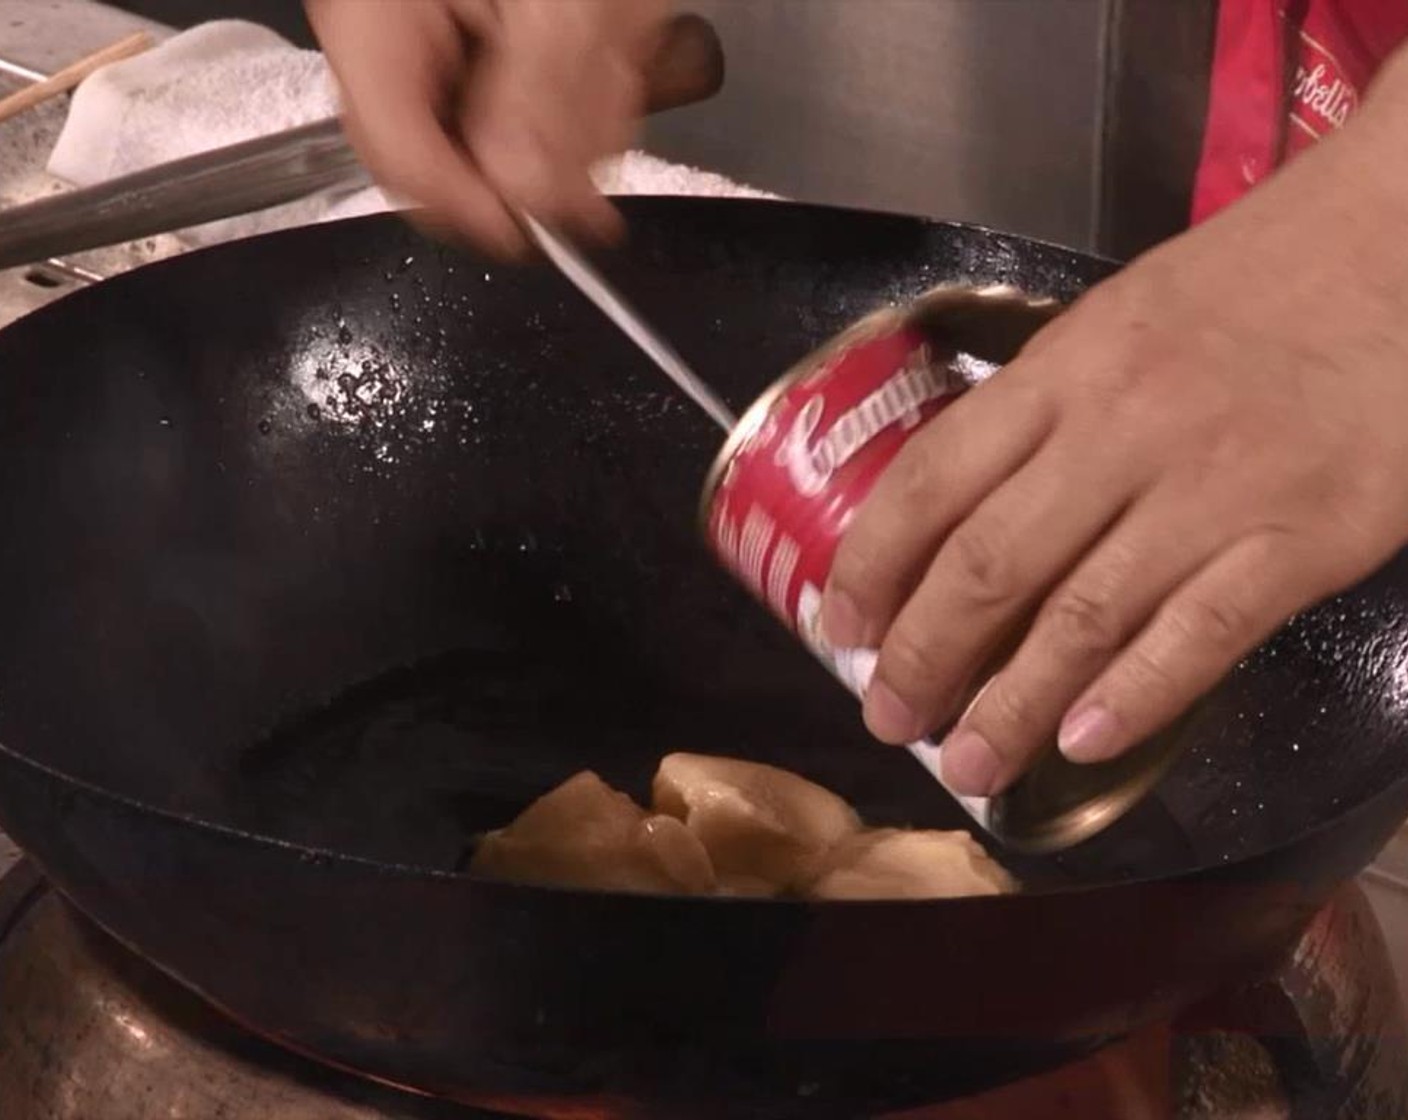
351	861
628	203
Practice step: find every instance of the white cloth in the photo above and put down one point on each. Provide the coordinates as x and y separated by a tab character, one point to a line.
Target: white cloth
228	81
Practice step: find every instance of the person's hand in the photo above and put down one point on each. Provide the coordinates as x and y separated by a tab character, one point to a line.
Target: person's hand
1205	444
470	108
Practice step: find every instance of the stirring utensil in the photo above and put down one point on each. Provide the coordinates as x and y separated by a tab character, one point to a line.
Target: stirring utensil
579	271
587	280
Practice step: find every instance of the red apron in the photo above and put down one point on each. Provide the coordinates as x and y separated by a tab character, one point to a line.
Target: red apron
1285	73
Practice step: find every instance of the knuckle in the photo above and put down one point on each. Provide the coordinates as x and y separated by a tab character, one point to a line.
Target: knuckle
1131	371
1146	675
1349	496
1359	506
1359	549
859	567
422	180
1081	622
915	476
910	661
1217	622
1133	357
982	565
411	185
1300	568
1131	388
1006	711
524	183
1224	445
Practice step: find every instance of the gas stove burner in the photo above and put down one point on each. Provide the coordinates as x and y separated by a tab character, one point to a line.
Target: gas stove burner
88	1031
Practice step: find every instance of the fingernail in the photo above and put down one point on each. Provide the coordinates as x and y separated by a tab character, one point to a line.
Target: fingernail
1089	734
971	766
889	718
842	624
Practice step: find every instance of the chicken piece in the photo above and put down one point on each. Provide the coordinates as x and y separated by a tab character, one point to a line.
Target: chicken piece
899	863
767	831
678	853
586	834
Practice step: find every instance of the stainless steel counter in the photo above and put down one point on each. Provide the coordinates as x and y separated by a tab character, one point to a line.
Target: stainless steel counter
41	36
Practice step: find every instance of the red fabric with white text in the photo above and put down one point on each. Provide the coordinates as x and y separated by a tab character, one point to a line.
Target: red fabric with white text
1285	73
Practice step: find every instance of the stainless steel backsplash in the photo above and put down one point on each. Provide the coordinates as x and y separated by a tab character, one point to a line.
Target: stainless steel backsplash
980	110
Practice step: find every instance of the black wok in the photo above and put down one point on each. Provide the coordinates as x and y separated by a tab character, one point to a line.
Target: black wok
327	550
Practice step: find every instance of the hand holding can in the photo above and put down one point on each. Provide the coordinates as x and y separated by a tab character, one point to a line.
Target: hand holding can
805	456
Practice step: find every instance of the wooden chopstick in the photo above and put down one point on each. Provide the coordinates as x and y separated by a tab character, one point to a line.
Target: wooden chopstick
69	77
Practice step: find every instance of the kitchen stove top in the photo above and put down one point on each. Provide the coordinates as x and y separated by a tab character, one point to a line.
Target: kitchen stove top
35	40
88	1031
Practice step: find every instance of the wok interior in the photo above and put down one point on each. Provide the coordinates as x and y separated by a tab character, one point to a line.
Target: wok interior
347	540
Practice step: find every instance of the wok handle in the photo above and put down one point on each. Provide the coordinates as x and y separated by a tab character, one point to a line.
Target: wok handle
273	170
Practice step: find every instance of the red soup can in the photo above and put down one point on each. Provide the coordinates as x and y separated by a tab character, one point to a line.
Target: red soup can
804	457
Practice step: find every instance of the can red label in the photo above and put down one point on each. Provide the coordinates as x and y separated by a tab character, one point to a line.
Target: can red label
803	463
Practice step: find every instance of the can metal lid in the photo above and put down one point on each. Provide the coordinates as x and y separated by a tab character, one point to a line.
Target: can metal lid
1057	804
993	322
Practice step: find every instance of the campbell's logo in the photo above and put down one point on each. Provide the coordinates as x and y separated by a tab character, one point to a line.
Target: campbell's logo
1323	96
811	460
